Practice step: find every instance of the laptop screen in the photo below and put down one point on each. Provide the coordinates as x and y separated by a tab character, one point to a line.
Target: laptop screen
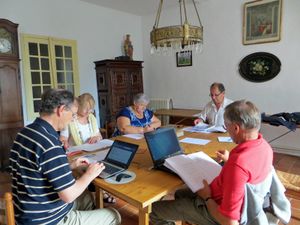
121	153
162	143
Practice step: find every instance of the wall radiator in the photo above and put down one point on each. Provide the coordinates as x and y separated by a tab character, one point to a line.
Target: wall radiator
161	103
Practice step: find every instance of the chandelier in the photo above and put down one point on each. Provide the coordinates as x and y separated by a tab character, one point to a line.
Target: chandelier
176	38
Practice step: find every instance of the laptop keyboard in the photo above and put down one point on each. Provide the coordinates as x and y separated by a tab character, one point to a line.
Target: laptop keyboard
110	169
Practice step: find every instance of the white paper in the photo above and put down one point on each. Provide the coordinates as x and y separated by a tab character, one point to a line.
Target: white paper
205	128
95	157
196	141
225	139
134	136
105	143
194	168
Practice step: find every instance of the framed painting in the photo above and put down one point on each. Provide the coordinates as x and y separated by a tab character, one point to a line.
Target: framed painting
262	21
184	58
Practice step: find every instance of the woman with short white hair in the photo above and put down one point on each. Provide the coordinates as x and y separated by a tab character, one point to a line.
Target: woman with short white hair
136	119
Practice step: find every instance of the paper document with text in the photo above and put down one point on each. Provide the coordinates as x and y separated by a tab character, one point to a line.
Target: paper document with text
194	168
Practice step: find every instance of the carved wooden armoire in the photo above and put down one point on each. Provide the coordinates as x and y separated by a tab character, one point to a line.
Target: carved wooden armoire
117	83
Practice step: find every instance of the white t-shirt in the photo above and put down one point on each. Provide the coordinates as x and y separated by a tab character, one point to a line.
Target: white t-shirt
85	129
211	115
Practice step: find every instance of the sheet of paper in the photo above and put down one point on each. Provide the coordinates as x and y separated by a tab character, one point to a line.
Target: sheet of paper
134	136
194	130
196	141
95	157
225	139
193	168
105	143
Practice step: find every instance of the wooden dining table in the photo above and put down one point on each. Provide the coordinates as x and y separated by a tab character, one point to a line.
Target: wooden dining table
151	185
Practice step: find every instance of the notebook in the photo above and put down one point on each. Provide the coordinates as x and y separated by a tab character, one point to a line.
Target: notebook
118	158
162	144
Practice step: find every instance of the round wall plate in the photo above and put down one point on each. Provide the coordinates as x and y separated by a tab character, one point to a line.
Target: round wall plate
259	67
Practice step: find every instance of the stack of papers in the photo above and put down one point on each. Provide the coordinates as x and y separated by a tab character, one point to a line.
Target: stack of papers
205	128
194	168
134	136
105	143
196	141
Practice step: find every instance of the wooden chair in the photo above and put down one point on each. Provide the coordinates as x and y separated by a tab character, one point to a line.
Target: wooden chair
9	209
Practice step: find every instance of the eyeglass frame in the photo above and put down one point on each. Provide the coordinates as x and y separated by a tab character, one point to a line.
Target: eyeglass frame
74	115
216	95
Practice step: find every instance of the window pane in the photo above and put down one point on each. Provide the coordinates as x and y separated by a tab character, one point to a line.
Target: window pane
46	78
61	86
69	65
45	63
68	52
37	105
45	88
70	77
35	78
59	64
44	50
34	63
58	51
36	92
60	77
70	88
33	48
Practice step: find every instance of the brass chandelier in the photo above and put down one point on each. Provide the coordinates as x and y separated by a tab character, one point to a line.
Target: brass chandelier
176	38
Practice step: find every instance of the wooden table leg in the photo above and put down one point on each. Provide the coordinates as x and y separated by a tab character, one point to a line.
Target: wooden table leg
99	198
144	215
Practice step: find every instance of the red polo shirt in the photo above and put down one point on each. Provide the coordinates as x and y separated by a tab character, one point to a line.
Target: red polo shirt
249	162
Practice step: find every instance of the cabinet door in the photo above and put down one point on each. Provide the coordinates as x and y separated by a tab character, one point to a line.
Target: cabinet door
10	99
135	84
119	90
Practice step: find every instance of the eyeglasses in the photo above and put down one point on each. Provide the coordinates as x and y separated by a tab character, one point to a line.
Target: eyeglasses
74	115
215	95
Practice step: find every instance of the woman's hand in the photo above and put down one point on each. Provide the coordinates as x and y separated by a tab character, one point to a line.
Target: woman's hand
148	128
94	139
222	155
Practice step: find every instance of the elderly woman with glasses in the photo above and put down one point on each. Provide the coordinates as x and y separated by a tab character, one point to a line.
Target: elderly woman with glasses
136	119
84	127
212	113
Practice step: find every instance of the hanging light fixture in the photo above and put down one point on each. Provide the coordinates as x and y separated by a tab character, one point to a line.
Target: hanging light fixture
176	38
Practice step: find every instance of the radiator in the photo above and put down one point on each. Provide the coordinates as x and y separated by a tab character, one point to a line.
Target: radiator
161	103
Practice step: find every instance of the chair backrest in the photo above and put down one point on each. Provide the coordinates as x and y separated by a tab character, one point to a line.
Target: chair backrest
9	209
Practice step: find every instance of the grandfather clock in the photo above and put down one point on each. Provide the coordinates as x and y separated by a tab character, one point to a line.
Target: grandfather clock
11	119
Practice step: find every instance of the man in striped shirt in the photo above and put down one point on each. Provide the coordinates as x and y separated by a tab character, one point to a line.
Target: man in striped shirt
44	189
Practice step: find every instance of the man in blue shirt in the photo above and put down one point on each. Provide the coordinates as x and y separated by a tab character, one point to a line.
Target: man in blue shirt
44	189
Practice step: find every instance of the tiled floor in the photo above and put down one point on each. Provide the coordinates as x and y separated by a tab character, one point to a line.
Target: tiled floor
130	214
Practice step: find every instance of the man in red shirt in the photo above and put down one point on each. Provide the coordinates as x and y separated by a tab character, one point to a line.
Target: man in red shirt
221	201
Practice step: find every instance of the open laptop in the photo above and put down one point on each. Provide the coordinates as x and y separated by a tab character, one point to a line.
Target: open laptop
118	158
162	144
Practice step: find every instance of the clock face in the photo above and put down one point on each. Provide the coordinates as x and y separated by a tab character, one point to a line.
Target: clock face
5	45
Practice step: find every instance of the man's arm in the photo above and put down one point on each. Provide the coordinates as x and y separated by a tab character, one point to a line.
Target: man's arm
71	193
212	206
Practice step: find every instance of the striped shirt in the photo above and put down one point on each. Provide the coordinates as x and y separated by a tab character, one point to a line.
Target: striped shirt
39	170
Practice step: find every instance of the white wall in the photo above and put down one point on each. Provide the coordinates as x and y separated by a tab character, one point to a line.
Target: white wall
99	31
222	53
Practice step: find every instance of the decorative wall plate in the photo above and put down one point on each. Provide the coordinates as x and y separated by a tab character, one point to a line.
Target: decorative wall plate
259	67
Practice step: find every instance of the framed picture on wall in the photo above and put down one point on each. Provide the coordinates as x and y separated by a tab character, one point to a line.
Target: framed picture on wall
184	58
262	21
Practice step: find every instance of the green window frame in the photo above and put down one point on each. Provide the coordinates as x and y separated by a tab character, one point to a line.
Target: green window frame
47	63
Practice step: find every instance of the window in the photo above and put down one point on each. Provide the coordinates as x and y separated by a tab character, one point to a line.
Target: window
48	63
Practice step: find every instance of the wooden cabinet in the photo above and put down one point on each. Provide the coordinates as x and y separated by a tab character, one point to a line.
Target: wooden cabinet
11	118
117	83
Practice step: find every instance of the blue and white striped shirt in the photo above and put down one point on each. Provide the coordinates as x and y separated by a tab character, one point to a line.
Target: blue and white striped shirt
39	170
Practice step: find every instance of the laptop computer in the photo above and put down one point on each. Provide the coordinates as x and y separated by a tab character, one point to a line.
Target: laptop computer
162	144
118	158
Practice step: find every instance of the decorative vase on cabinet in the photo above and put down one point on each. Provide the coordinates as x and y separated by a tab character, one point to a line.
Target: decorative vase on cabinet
117	83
